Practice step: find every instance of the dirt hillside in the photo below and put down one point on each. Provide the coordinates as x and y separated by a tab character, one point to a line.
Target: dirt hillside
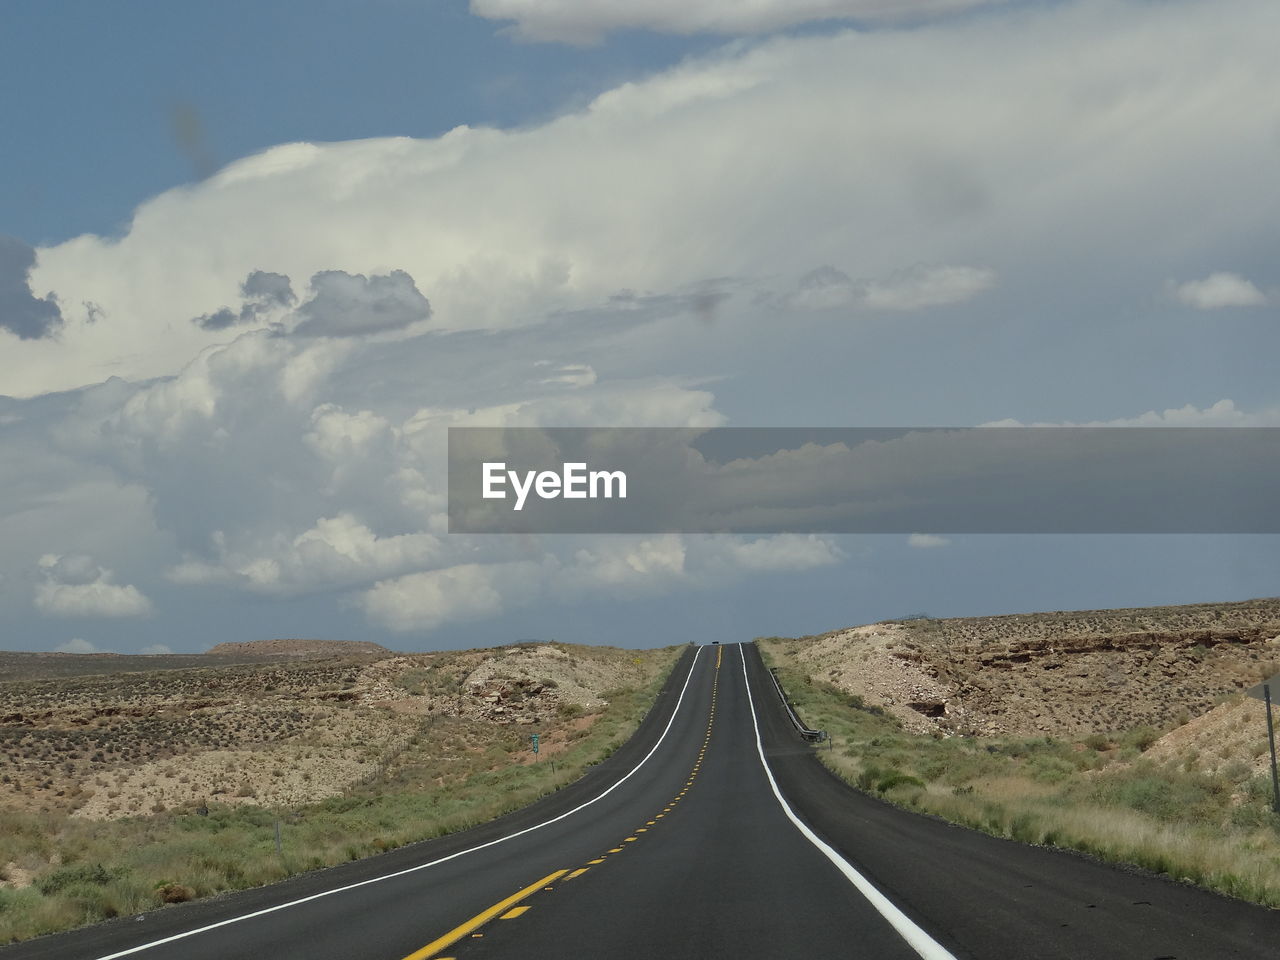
1065	674
288	728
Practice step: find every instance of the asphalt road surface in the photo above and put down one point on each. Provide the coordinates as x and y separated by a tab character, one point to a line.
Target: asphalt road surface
714	832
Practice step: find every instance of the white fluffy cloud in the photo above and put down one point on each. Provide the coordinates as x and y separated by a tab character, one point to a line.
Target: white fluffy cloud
873	151
1218	290
612	566
424	601
585	21
337	551
75	586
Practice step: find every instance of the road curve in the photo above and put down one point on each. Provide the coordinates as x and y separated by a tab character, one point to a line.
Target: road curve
714	832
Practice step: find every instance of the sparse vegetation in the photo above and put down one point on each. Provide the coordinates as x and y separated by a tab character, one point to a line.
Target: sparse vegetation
1112	796
104	817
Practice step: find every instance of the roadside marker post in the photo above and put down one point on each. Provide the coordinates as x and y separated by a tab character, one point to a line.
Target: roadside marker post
1263	692
534	739
1271	739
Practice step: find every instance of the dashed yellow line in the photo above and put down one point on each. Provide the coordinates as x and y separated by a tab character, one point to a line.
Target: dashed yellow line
516	912
481	918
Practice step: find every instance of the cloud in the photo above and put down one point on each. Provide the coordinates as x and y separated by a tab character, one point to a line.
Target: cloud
347	305
1219	290
75	586
926	286
156	650
337	551
427	600
784	552
272	289
870	151
77	645
927	541
22	313
915	288
262	292
586	21
1223	413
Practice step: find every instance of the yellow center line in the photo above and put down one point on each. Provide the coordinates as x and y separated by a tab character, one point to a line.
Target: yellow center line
598	860
616	850
516	911
576	873
481	918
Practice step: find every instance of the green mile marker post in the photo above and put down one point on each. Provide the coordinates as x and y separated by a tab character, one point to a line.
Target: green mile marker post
534	740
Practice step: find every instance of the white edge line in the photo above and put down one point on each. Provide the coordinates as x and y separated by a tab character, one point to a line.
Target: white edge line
921	942
422	866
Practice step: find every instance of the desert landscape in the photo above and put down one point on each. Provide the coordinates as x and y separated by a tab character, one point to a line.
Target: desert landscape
324	736
1122	733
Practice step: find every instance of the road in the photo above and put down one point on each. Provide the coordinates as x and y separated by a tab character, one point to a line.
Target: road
714	832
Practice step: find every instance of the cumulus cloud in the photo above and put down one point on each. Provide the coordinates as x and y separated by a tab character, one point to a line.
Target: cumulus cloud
927	541
348	305
586	21
424	601
261	292
1219	290
591	567
23	314
887	149
75	586
337	551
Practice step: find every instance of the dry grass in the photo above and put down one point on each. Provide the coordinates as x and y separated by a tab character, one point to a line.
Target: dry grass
429	762
1102	795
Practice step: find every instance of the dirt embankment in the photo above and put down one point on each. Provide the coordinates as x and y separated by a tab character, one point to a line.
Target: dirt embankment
1059	674
287	731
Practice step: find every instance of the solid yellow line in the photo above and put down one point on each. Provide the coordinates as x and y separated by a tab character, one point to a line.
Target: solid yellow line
515	912
480	919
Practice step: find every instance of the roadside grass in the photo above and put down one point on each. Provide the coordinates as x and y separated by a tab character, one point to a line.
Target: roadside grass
452	775
1100	796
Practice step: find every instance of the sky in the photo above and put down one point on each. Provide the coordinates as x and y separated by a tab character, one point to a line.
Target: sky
255	259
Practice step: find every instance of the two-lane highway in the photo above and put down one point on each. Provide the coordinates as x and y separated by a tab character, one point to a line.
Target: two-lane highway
714	832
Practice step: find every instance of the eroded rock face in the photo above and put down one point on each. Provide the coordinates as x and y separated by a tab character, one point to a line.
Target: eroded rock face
1062	674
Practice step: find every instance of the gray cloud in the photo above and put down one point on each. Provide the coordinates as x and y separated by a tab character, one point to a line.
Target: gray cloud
348	305
273	289
21	312
221	319
262	291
